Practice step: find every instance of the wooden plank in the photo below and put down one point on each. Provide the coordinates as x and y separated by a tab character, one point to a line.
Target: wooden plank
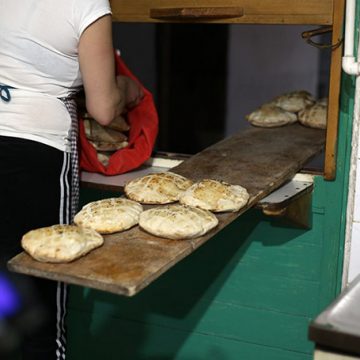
255	11
261	160
231	322
140	340
208	13
334	92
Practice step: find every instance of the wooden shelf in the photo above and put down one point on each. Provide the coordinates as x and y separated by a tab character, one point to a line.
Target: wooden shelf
261	160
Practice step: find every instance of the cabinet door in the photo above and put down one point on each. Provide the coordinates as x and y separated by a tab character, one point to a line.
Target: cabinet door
225	11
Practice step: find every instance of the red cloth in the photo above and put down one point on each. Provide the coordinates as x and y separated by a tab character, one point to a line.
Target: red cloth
143	121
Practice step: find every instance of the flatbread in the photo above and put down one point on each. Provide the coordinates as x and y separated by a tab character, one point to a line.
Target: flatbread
104	157
119	124
60	243
314	116
103	138
177	221
270	115
95	132
108	146
157	188
108	216
294	101
216	196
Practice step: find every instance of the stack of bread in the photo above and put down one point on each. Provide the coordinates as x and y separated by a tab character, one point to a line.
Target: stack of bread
106	139
289	108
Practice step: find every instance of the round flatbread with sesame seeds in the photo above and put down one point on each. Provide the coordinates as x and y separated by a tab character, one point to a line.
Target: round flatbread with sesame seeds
294	101
108	216
270	115
314	116
216	196
177	221
60	243
157	188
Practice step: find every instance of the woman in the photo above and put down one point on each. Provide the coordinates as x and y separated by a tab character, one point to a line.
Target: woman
49	50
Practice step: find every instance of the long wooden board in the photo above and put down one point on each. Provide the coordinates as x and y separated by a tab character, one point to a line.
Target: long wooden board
261	160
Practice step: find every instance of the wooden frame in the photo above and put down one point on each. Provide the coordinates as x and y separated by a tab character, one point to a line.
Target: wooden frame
254	11
334	92
310	12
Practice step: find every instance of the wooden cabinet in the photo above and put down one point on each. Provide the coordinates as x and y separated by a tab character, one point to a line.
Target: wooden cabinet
226	11
310	12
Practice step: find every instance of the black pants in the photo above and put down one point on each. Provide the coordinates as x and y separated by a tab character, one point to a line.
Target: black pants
34	192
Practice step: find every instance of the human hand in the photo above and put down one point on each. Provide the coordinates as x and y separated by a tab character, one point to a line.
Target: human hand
132	91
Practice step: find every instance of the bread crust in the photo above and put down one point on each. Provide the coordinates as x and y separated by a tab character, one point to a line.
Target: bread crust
314	116
110	215
294	101
215	196
270	115
177	221
60	243
157	188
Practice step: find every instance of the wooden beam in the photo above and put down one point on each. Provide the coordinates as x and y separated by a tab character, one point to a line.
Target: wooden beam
334	92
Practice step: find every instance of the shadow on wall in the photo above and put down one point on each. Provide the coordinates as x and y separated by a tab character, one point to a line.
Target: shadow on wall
161	317
197	310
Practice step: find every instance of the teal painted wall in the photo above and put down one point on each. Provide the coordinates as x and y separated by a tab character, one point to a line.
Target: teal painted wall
249	293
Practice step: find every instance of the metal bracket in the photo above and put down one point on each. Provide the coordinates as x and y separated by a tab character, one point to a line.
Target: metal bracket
291	202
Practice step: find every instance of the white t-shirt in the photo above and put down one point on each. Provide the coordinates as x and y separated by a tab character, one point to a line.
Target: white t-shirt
39	58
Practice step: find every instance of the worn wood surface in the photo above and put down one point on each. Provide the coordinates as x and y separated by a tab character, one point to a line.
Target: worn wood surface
255	11
191	13
261	160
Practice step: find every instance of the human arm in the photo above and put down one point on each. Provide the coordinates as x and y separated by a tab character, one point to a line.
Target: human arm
105	98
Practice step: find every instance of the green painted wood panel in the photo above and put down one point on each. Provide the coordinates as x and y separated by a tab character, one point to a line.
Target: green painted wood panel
239	288
249	293
148	342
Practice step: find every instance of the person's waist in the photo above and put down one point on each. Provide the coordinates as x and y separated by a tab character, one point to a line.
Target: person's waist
7	92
